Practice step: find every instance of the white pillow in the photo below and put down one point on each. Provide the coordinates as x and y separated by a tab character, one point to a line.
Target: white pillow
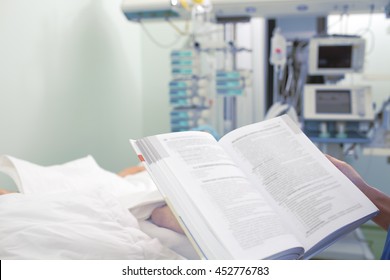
62	225
136	192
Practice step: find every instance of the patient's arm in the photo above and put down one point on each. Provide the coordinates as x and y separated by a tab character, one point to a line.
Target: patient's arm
163	217
131	171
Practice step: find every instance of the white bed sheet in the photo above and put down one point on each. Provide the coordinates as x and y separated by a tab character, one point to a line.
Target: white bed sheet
83	180
62	225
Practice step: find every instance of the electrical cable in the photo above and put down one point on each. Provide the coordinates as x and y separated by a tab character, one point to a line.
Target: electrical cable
177	29
155	41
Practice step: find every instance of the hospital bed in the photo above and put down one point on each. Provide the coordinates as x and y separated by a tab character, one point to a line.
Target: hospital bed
78	210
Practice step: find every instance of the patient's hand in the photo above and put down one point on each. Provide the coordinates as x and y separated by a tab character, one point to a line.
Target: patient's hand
4	191
131	171
163	217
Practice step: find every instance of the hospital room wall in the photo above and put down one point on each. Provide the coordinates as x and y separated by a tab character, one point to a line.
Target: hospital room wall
70	83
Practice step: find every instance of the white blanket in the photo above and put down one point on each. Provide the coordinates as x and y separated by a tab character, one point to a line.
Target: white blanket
62	225
77	211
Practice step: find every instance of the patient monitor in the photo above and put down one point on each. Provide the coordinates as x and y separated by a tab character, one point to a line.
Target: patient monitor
335	55
338	103
337	114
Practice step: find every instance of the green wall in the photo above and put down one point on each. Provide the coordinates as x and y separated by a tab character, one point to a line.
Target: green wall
70	82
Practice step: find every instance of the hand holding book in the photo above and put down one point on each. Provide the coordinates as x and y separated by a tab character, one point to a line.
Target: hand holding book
262	191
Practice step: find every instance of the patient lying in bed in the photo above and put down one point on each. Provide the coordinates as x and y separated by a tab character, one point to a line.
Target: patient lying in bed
78	210
161	216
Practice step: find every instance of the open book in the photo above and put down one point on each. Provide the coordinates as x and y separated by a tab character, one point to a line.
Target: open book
263	191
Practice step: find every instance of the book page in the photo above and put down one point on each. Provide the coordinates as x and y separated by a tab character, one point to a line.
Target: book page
312	195
235	211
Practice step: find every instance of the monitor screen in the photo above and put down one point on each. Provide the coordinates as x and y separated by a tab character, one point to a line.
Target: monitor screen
334	57
333	102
